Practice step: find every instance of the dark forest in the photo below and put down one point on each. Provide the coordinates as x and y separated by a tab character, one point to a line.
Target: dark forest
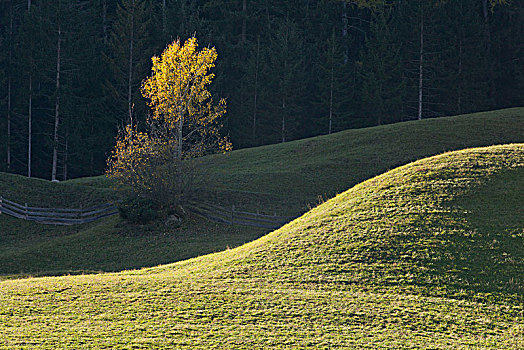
70	71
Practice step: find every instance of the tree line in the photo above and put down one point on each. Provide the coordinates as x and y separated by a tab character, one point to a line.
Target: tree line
71	70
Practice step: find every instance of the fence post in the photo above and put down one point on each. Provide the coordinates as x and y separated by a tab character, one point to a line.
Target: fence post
1	205
25	210
232	214
80	214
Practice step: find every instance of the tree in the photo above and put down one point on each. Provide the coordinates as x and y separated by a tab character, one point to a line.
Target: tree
184	124
335	86
382	83
181	102
286	75
7	65
28	50
128	58
462	83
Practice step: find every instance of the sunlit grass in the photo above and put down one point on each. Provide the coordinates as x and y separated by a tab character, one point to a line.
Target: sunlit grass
285	179
404	260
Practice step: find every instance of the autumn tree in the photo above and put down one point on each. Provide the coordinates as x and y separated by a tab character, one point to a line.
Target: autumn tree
184	124
182	106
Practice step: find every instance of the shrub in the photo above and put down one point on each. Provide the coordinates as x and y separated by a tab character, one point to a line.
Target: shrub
138	210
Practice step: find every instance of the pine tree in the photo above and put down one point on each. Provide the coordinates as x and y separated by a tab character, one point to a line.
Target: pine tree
285	72
28	50
87	132
381	72
335	86
6	37
461	60
420	48
128	58
244	105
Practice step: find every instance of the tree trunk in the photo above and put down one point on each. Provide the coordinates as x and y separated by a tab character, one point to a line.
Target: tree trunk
283	120
9	124
381	109
30	110
267	15
459	92
130	73
244	20
345	22
485	12
30	125
421	68
104	20
487	30
256	92
331	85
164	19
57	106
9	91
283	87
66	153
180	134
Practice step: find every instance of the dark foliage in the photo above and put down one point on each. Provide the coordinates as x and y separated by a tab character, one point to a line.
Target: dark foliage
289	69
138	210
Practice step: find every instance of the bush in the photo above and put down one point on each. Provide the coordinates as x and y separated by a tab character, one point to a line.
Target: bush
138	210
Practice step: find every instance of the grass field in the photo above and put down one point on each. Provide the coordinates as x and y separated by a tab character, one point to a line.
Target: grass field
286	179
428	255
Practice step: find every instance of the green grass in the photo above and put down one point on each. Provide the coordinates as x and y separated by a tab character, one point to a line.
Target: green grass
428	255
286	179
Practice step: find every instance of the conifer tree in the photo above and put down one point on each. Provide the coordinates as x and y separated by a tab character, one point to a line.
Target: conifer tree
128	58
461	81
335	86
286	73
28	50
245	105
381	72
6	75
87	132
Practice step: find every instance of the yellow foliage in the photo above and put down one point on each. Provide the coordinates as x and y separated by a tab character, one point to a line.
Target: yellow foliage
136	154
184	124
180	100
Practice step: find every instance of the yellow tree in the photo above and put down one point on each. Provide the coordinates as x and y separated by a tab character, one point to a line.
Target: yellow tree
182	106
135	158
185	123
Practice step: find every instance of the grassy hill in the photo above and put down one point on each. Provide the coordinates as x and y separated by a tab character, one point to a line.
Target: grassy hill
428	255
285	178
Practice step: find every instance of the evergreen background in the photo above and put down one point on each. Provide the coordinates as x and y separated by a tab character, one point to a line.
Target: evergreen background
289	69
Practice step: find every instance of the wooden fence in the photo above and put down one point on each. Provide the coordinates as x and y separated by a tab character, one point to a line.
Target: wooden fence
57	216
62	216
236	217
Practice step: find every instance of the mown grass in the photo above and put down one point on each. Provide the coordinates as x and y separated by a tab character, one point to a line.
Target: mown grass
391	263
285	179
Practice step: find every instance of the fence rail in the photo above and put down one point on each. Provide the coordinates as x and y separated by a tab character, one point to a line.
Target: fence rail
68	216
232	216
57	216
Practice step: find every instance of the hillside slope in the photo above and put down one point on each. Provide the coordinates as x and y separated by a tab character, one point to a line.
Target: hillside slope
284	178
426	255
